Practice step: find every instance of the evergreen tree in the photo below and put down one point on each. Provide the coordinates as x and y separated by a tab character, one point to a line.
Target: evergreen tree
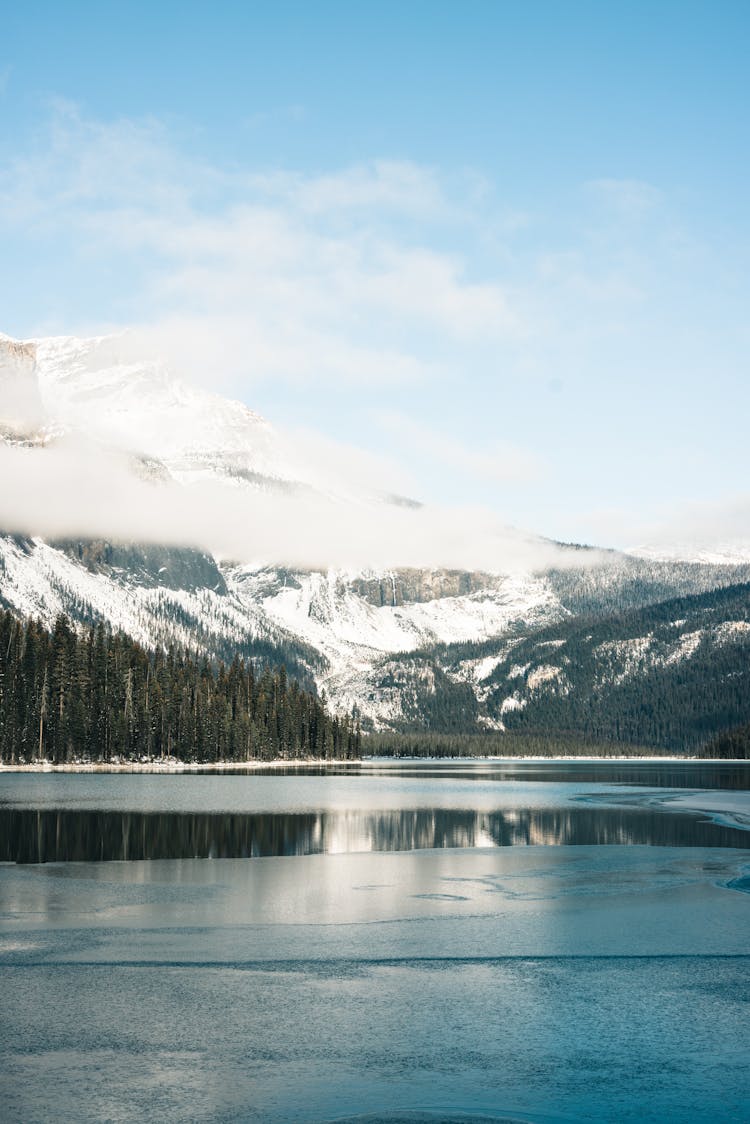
97	696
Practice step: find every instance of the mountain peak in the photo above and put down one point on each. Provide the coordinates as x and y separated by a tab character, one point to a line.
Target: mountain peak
105	388
21	408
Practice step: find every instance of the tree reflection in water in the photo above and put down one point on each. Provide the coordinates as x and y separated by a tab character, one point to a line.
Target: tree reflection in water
52	835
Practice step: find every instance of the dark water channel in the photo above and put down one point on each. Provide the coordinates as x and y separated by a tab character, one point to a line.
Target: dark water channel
47	835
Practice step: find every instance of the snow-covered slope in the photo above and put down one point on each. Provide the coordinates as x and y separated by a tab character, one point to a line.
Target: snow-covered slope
21	409
99	387
721	553
669	673
346	623
331	614
388	660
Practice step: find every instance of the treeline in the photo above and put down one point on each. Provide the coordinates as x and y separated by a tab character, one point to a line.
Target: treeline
92	695
419	744
733	744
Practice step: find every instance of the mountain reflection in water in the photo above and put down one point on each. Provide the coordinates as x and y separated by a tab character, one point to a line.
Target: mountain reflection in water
65	835
730	776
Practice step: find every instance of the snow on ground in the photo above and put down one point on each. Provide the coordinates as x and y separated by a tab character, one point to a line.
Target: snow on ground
41	582
626	657
546	673
328	613
685	646
512	702
478	672
728	631
482	669
356	637
44	582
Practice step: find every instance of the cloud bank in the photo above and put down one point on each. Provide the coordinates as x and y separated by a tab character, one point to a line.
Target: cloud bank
79	489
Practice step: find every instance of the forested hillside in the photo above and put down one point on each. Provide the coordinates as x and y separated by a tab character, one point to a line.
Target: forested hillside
672	675
91	695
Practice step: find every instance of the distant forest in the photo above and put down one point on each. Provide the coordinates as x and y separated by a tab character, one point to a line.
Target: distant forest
677	704
495	744
672	676
733	743
69	696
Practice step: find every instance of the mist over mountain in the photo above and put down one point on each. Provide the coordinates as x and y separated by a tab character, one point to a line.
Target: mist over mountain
174	514
134	453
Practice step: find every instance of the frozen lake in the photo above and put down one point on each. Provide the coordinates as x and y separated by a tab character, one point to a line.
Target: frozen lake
528	941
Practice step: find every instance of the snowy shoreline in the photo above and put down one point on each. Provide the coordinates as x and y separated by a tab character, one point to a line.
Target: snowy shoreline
173	766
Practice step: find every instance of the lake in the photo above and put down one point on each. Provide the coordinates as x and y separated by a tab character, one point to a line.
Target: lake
396	941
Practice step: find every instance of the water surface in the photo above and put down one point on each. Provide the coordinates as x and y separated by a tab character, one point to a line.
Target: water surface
526	941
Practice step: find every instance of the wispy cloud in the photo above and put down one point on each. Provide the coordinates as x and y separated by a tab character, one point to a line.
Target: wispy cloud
719	523
501	462
396	185
630	198
303	287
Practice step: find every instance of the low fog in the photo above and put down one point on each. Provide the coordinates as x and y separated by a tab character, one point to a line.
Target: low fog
74	487
82	457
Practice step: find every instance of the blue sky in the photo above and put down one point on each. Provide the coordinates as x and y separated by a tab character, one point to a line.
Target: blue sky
501	248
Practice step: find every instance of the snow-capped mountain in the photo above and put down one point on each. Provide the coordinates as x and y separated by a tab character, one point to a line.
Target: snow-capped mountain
721	553
98	387
395	643
21	408
329	621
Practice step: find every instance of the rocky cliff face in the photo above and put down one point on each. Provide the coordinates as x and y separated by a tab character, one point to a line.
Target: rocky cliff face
147	564
403	587
21	410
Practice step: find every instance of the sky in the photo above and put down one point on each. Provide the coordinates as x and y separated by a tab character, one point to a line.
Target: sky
502	247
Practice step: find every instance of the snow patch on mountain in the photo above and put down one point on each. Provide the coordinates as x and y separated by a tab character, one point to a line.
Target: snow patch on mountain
731	630
41	581
547	673
685	646
623	658
482	669
99	387
512	702
735	552
354	636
